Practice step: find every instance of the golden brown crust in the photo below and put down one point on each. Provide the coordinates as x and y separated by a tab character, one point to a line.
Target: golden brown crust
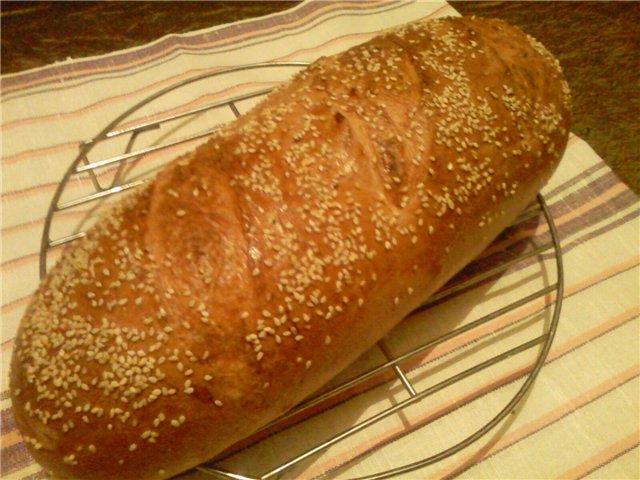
252	271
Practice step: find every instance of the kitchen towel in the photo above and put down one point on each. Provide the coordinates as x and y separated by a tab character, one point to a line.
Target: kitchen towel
580	419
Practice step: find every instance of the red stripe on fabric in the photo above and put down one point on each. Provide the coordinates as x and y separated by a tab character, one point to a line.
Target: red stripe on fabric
539	424
155	86
107	101
500	443
30	154
194	52
14	458
603	457
11	438
40	152
576	212
142	56
8	307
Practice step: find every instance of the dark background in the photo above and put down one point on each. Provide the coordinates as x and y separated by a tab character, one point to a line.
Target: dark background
597	43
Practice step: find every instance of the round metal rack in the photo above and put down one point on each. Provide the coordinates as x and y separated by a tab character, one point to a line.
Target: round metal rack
84	169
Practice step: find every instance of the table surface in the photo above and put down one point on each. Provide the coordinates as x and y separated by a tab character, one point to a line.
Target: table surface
597	44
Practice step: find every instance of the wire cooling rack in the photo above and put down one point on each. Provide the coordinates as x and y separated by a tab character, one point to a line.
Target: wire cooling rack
96	181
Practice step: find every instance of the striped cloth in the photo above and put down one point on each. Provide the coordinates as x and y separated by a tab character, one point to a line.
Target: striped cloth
581	417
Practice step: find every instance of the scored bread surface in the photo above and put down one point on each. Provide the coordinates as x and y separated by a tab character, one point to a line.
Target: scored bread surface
254	269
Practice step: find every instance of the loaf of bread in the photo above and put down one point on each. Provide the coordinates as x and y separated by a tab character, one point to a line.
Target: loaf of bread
253	270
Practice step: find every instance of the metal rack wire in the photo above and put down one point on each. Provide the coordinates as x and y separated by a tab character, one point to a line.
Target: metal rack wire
83	166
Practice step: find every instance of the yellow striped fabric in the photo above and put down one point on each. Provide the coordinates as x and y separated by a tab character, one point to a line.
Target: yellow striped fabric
580	419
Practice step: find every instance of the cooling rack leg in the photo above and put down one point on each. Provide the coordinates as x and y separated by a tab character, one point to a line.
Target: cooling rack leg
117	178
92	176
234	109
403	378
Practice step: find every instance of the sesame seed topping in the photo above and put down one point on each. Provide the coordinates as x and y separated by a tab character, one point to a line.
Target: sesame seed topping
312	244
